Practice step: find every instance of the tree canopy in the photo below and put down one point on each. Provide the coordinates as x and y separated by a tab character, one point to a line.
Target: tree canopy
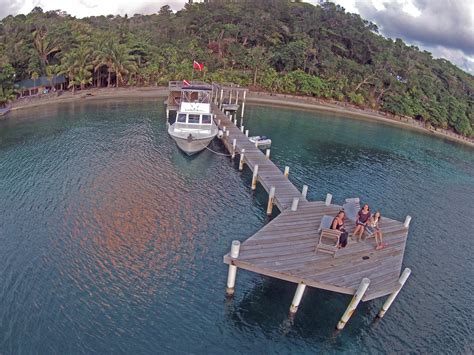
277	45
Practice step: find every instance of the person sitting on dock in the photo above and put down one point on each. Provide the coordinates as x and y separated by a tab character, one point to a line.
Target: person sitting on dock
361	221
338	224
374	229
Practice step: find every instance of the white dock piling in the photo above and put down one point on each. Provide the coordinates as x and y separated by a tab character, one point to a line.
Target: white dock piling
167	114
304	192
234	253
234	145
406	224
241	162
237	100
364	285
241	121
294	203
242	129
218	122
267	153
256	143
227	133
328	199
220	101
403	278
224	129
287	171
297	298
254	177
271	197
243	104
247	132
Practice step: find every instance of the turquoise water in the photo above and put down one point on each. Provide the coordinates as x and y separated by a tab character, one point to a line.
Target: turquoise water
111	240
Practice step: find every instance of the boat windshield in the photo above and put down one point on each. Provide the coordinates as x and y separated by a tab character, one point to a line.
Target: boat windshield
194	118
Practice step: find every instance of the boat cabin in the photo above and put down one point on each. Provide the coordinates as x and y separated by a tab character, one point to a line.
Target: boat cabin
194	118
196	99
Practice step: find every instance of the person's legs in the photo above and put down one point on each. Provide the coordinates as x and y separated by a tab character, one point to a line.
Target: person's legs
356	230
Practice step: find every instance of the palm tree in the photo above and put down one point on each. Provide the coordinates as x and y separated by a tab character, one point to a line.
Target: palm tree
117	59
45	45
77	65
35	77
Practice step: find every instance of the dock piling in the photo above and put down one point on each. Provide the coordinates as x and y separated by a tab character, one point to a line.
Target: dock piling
247	132
167	114
227	133
243	104
403	278
287	171
271	197
406	224
267	153
364	285
220	101
304	191
241	162
294	203
234	145
234	253
328	199
254	177
297	298
242	129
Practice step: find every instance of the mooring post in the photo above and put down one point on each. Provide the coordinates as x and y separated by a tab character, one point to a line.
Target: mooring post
297	298
219	122
247	132
167	114
271	197
237	99
227	133
354	303
234	145
328	199
294	203
241	162
234	253
254	177
242	129
243	104
224	128
241	122
407	222
403	278
230	96
267	153
256	143
222	96
304	192
287	171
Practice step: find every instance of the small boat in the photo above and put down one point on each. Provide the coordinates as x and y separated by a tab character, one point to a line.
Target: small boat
262	142
194	127
4	111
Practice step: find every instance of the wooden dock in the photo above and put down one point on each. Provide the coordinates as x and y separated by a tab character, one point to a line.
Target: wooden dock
285	248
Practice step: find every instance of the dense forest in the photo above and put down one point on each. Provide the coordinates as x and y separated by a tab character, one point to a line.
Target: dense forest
276	45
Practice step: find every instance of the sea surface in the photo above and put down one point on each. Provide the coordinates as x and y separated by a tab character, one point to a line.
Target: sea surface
111	239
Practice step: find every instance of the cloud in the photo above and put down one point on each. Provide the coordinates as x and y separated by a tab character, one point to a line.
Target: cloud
446	23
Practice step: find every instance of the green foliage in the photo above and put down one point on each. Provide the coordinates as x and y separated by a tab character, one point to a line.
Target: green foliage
279	46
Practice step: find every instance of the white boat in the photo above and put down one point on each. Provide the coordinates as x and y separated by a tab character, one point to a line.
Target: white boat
194	127
262	142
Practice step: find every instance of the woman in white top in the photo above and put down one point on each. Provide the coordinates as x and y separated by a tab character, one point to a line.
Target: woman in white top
373	228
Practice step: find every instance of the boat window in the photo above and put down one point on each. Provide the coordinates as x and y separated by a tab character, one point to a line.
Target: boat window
182	118
193	119
206	119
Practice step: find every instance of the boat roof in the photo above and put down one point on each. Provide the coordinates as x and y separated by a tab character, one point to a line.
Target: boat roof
197	88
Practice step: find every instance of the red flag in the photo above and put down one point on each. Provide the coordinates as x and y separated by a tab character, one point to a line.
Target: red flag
198	66
186	83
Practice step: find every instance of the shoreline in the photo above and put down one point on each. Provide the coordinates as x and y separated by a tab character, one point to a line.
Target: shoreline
254	97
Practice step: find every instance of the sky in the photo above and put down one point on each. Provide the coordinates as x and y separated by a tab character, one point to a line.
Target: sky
442	27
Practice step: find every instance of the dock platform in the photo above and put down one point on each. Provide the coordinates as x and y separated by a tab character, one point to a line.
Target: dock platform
285	248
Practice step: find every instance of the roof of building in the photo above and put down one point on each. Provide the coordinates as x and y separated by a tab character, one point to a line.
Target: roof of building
41	81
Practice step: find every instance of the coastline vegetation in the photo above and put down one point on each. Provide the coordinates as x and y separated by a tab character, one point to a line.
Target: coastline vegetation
279	46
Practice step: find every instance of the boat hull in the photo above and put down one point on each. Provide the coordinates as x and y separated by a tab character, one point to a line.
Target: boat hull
194	146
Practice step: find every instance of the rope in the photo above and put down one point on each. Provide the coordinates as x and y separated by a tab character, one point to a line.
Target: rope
221	154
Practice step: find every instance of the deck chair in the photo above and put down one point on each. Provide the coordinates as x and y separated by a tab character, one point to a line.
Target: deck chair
351	208
328	238
328	241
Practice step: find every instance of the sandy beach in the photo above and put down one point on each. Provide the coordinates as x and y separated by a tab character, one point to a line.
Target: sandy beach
261	98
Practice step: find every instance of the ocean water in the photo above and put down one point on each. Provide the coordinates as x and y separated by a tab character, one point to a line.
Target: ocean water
111	239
